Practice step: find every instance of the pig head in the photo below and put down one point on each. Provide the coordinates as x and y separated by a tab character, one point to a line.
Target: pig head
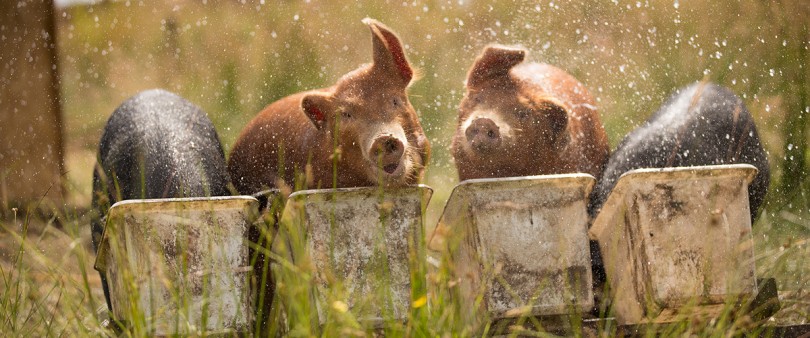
520	119
362	131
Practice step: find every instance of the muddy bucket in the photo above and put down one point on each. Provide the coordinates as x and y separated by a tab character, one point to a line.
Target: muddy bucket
677	241
363	247
180	266
520	245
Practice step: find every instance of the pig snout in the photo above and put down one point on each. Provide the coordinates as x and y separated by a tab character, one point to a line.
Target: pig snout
483	134
388	150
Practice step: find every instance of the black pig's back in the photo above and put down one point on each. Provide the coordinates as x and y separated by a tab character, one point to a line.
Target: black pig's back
160	145
701	124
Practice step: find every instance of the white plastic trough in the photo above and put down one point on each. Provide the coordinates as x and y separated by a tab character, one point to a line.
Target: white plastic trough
371	240
520	242
183	263
677	240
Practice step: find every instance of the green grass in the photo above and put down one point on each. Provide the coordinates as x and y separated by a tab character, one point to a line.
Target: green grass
44	297
232	59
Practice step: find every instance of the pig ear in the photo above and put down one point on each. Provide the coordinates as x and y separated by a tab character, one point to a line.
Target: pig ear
316	106
556	115
494	62
389	56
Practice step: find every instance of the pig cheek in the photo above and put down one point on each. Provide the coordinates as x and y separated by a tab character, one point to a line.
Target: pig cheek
354	154
412	162
351	153
421	148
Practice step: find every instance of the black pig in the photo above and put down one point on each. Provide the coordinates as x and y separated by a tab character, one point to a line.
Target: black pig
156	145
701	124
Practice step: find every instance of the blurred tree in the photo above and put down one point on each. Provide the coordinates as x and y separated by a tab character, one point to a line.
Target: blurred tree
30	118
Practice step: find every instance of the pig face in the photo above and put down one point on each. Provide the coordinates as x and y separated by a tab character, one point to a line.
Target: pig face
368	116
507	125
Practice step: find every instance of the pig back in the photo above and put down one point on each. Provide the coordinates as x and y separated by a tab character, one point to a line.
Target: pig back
587	150
276	143
156	145
702	124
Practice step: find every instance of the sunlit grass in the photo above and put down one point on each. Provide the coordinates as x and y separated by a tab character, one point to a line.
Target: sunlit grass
46	284
44	296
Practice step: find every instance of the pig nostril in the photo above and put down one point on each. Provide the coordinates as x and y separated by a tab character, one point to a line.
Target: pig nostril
386	149
391	168
390	146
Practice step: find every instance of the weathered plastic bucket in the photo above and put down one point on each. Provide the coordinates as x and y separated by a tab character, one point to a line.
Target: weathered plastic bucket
677	240
520	242
182	264
370	241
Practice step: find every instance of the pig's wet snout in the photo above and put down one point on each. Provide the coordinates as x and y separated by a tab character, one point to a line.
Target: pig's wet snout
388	150
483	134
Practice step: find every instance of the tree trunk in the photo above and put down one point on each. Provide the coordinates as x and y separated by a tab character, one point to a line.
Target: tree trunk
31	152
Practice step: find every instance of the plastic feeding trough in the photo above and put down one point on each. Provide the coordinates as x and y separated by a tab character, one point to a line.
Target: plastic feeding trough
676	241
521	243
363	246
180	266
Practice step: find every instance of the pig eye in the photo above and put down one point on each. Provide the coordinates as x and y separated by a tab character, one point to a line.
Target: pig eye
523	114
346	114
396	102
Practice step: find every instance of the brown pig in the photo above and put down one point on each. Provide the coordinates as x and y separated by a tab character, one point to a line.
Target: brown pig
521	119
362	131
